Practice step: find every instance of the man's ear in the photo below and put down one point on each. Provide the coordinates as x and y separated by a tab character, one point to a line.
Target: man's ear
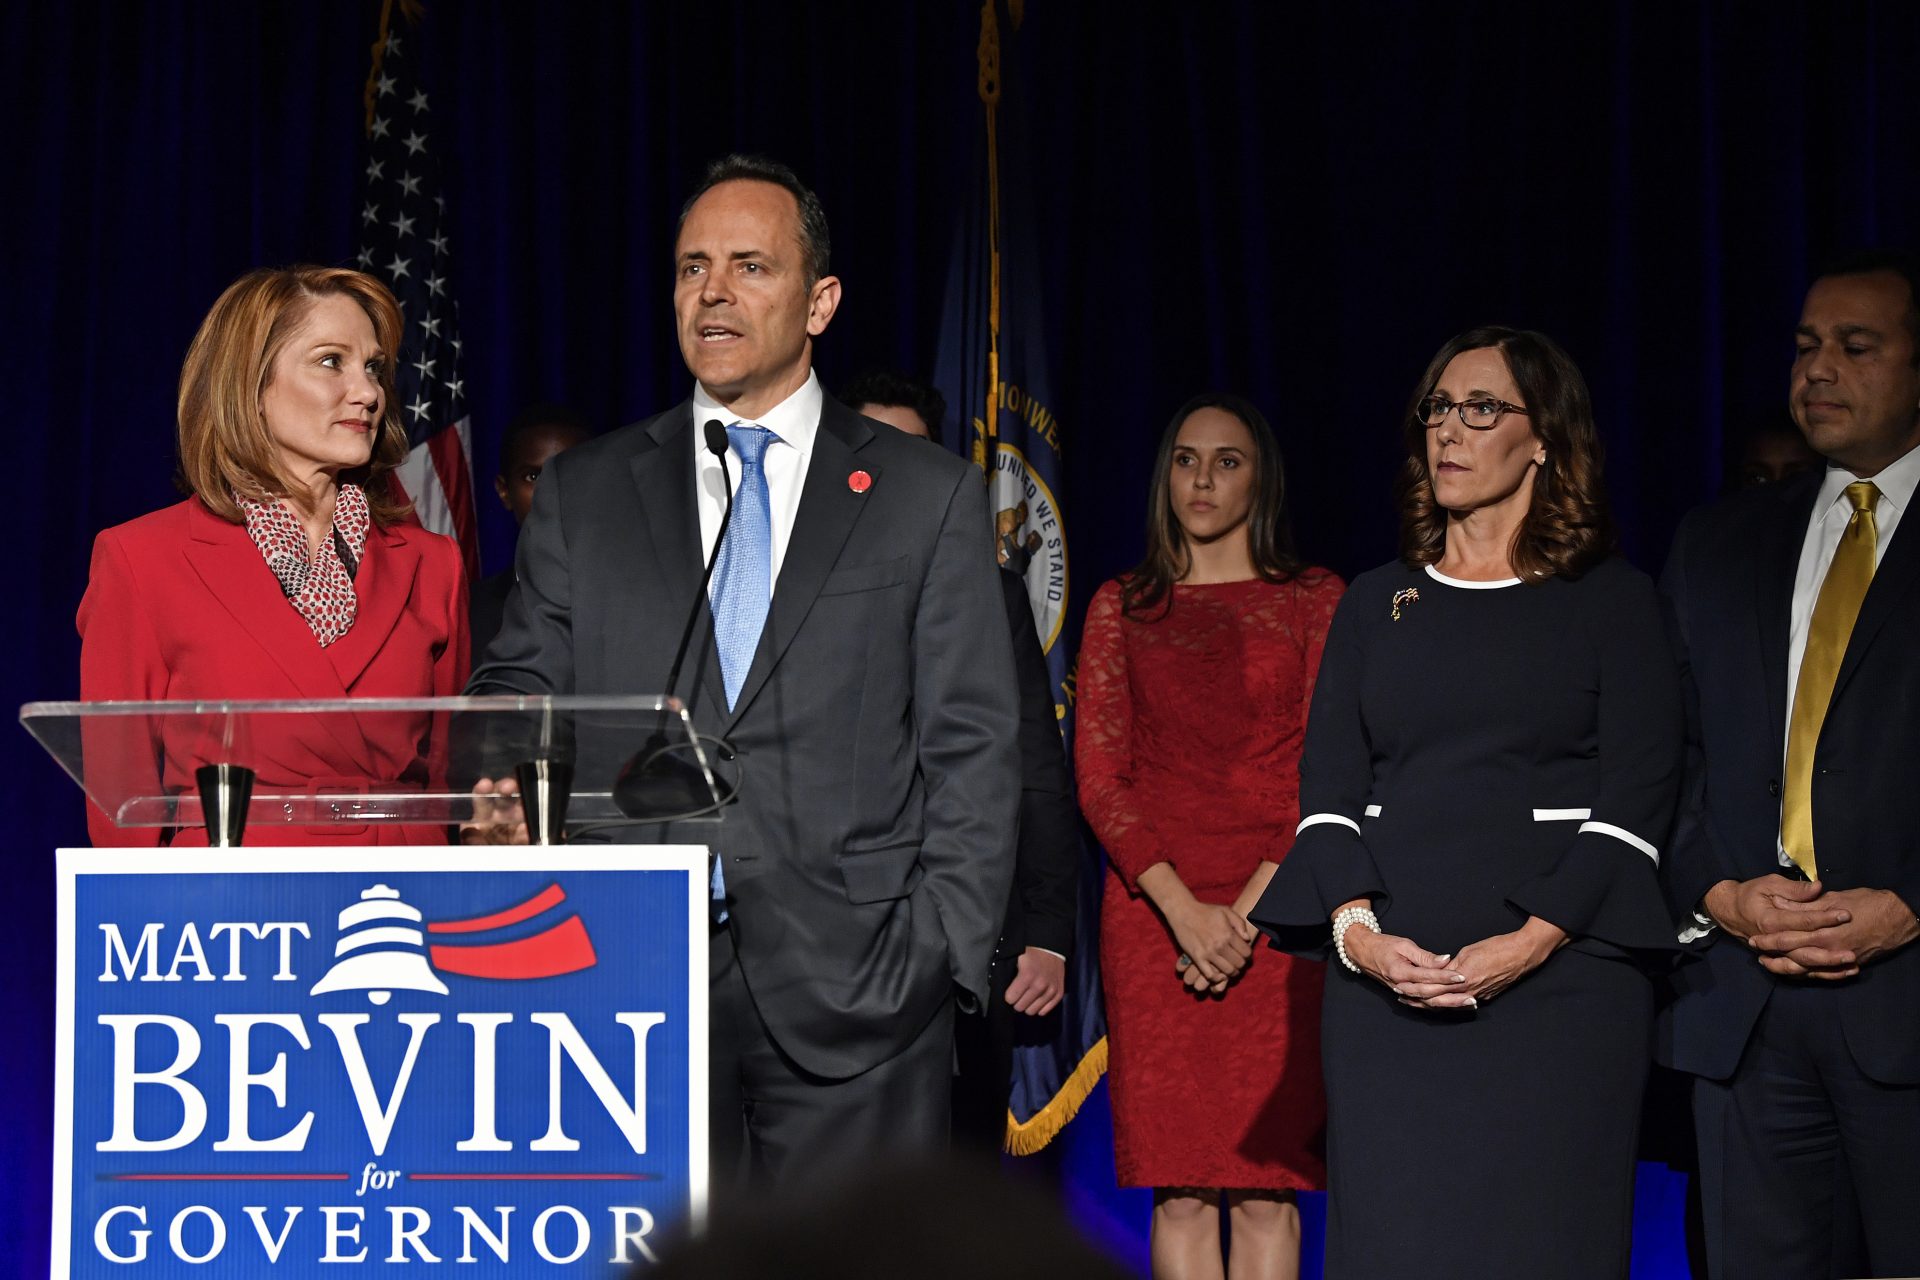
822	303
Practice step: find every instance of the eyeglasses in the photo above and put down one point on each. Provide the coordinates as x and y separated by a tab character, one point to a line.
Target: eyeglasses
1477	414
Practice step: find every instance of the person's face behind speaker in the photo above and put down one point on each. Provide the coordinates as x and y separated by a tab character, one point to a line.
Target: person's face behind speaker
532	451
1212	475
1770	457
745	311
897	416
1481	469
322	400
1855	391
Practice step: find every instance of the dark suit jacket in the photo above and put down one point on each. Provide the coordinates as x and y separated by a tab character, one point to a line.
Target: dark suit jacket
1729	586
1046	874
488	605
869	854
181	605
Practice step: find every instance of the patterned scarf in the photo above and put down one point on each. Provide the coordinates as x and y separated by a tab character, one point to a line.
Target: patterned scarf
321	588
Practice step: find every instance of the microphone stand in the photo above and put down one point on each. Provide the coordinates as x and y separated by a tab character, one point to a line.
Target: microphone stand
654	784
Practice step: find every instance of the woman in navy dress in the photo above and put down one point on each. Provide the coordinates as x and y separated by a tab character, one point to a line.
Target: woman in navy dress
1490	768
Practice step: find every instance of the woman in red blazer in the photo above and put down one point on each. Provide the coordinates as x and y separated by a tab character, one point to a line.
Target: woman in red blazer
291	572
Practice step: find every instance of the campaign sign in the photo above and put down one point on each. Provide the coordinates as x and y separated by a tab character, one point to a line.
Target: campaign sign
287	1062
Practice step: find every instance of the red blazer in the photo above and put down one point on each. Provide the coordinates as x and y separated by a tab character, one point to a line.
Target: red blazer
182	605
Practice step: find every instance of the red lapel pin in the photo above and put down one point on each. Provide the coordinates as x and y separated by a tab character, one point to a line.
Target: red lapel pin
859	482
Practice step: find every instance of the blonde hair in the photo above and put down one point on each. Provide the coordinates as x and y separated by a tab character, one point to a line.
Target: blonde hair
225	447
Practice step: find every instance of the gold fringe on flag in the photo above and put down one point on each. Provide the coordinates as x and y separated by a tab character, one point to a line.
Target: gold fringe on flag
1040	1129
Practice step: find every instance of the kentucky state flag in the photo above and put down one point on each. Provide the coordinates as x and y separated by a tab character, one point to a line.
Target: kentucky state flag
992	366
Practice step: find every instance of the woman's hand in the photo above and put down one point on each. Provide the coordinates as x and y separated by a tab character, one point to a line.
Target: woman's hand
497	818
1411	972
1217	941
1493	964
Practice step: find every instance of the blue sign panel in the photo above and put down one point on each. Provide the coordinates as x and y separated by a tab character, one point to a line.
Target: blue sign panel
283	1062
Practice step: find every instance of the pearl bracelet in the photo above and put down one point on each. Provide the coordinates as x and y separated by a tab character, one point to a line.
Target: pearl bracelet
1346	918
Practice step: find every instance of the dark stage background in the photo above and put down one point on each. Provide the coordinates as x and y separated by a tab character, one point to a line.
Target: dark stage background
1298	205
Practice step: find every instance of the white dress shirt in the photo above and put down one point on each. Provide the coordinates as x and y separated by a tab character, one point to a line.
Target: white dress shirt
1831	512
795	420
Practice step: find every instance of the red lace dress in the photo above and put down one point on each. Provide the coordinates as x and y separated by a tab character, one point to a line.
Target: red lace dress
1188	752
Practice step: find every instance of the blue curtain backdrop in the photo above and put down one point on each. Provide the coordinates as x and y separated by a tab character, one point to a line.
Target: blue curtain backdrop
1296	202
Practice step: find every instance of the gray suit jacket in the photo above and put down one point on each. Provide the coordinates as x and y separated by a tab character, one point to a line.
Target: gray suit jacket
869	854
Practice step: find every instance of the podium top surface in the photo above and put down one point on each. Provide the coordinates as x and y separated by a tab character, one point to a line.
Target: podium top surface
384	760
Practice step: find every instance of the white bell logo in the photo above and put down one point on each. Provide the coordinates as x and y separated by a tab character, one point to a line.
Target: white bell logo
378	956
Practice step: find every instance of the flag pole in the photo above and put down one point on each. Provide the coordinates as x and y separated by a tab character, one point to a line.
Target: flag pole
986	450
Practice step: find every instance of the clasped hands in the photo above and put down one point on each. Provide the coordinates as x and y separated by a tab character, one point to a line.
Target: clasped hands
1216	943
1422	980
1800	929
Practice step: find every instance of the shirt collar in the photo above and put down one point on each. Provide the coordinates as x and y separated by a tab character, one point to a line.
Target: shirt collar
795	420
1896	482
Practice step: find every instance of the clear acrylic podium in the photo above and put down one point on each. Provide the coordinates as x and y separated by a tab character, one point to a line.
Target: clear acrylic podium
580	763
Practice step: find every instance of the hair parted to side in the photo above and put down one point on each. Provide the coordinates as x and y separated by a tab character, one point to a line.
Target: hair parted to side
815	244
223	439
1897	262
1568	528
1146	592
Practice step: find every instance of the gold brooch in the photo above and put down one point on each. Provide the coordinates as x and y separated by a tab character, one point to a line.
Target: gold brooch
1405	595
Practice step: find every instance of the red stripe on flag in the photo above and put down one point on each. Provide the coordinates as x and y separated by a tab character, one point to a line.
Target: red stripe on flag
551	896
448	449
565	948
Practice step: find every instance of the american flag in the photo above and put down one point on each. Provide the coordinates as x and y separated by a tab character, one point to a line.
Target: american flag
403	241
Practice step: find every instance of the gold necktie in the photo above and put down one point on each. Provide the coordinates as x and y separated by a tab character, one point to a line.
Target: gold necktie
1838	604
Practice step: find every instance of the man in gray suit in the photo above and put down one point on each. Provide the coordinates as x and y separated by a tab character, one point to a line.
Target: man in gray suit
846	658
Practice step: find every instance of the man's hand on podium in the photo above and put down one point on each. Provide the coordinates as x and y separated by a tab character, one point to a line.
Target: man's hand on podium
497	816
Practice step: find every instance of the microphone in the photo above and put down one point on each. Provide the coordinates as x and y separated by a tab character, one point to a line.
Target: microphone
656	783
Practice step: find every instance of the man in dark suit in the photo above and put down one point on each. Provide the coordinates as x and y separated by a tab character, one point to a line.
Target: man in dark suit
1030	959
863	868
1796	612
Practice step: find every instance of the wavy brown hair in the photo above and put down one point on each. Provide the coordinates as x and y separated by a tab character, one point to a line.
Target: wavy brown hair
1568	528
225	447
1148	588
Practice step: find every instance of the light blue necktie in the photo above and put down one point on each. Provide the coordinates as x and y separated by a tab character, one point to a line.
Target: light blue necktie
743	580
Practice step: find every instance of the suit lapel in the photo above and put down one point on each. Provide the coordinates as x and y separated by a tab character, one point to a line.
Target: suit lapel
236	575
664	476
1894	581
1774	569
381	588
828	509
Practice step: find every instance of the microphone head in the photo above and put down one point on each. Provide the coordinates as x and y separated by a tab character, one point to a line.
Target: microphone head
716	437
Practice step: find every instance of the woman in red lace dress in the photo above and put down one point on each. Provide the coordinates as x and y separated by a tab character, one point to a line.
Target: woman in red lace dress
1195	674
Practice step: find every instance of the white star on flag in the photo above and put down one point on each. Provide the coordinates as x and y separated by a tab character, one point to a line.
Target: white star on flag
403	225
425	366
418	101
398	269
415	144
434	284
374	170
379	126
439	244
371	213
385	86
419	408
410	184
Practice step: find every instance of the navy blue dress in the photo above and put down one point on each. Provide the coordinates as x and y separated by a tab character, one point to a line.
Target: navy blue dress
1476	754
